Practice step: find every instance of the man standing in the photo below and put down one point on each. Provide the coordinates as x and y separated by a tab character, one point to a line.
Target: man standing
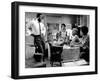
38	31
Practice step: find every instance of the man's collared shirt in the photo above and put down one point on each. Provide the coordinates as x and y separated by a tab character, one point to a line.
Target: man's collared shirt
35	27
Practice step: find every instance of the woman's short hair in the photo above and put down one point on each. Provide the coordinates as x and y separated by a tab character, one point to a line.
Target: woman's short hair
75	30
84	30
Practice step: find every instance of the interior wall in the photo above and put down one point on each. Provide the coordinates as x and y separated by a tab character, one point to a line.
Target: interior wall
66	19
84	20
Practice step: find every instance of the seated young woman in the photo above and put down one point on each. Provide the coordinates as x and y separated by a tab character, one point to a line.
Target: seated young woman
62	35
84	50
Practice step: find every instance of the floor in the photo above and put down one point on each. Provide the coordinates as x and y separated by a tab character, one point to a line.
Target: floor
30	63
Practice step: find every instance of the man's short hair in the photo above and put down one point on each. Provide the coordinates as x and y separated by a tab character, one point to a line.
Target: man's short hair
84	30
38	15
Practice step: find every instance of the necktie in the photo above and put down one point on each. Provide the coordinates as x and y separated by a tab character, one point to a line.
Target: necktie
40	28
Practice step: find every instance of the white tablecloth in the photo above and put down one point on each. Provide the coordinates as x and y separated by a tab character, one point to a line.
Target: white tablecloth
70	53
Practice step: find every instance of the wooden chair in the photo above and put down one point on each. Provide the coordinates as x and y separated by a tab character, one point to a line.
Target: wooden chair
55	52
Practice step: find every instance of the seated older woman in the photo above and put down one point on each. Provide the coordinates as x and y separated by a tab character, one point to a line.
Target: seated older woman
75	41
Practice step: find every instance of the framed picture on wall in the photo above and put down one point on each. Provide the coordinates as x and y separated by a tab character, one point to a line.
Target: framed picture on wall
51	40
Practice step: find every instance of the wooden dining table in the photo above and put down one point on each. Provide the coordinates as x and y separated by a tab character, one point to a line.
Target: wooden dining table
70	53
